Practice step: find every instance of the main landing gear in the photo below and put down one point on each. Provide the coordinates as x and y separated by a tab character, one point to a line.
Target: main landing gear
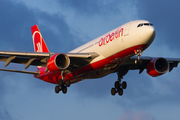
62	86
118	87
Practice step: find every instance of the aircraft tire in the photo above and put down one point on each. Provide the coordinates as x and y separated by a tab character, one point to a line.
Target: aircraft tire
60	82
113	91
117	84
124	85
57	89
68	83
120	92
64	89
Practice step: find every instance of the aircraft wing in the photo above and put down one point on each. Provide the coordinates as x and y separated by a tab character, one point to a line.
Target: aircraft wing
143	62
40	59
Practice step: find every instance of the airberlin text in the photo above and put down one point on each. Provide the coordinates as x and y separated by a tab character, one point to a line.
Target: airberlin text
111	36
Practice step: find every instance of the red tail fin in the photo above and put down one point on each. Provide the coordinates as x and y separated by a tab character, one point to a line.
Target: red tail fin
38	41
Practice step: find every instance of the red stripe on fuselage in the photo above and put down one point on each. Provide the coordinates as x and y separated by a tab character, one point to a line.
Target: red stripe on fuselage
53	77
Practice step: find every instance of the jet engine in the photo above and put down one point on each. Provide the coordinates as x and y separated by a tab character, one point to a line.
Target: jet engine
157	67
58	62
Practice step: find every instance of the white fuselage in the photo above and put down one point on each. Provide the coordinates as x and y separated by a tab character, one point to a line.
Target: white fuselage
119	39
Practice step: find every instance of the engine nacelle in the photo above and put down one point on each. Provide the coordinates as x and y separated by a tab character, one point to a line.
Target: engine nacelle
58	62
157	67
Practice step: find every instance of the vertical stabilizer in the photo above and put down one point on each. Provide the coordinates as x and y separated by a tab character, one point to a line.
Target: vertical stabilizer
38	41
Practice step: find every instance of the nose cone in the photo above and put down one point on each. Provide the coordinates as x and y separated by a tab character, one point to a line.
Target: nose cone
148	35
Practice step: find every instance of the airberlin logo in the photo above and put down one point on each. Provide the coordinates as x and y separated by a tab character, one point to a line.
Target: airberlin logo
37	38
39	47
111	36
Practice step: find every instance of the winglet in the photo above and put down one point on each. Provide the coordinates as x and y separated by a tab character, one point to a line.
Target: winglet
38	41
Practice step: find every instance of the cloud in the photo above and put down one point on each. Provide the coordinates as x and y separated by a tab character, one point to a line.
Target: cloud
166	21
18	20
4	115
140	115
13	24
91	19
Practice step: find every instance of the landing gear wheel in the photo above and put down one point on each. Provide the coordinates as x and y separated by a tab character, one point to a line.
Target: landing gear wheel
60	82
124	85
117	84
113	91
120	92
64	89
57	89
68	83
119	87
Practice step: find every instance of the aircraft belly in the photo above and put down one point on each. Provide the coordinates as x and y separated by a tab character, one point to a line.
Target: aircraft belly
96	74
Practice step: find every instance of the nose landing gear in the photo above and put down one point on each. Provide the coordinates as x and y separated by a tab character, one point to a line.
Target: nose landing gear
138	52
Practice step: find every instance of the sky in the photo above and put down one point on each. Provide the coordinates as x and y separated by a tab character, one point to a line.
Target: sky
67	24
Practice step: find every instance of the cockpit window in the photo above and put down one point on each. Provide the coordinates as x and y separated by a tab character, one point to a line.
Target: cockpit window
150	24
145	24
140	25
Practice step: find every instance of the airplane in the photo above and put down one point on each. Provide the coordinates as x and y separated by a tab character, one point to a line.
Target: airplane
117	51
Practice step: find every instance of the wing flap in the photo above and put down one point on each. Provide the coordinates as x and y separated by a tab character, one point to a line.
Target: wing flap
9	60
29	62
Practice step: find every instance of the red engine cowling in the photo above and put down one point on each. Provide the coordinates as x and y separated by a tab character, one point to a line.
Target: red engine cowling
157	67
58	62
